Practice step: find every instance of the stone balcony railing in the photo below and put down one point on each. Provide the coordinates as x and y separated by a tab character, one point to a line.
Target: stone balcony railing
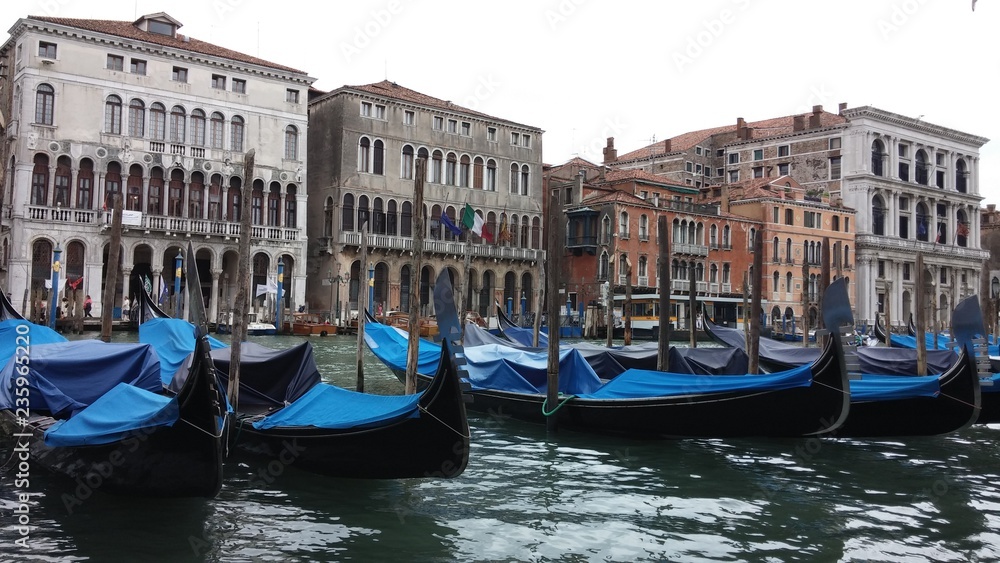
907	245
161	224
446	247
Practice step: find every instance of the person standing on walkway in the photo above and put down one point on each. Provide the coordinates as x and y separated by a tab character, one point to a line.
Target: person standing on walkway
125	308
88	306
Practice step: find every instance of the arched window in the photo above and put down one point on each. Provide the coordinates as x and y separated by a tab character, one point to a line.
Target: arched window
878	158
775	288
347	213
491	176
406	220
847	255
525	177
63	182
291	143
437	167
391	218
775	257
155	204
45	102
536	233
378	158
788	251
602	266
643	267
363	214
713	237
136	118
236	134
113	115
364	154
133	188
451	170
726	241
257	203
525	230
623	225
40	180
274	205
235	198
514	232
623	269
477	173
962	233
921	163
464	171
404	288
406	163
378	217
606	231
291	207
158	121
112	184
328	218
178	124
961	176
175	193
643	227
216	135
198	128
215	198
788	282
514	171
196	196
878	217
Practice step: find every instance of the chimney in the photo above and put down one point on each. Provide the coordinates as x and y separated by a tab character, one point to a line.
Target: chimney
666	146
798	123
991	207
610	153
724	202
841	108
814	118
741	129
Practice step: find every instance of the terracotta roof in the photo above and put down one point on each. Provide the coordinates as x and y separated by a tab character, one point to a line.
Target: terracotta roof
761	130
616	196
613	176
389	89
128	30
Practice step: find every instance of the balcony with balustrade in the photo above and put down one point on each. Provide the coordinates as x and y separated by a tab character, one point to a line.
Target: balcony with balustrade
689	249
443	247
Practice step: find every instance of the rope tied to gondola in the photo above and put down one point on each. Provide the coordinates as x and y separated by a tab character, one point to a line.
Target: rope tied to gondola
545	404
443	423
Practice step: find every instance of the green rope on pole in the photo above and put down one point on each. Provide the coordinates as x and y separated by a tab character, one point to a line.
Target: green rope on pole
559	406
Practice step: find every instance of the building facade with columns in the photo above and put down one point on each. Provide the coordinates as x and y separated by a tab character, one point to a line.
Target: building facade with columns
915	188
365	142
94	108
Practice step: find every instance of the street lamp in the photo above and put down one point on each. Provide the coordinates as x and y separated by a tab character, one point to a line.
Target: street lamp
371	287
336	282
279	305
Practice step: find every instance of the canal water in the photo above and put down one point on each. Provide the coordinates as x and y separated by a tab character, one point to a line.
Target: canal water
529	496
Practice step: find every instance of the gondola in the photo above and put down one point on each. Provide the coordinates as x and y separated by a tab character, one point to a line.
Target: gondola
911	327
7	310
97	414
285	413
889	400
519	335
806	401
941	342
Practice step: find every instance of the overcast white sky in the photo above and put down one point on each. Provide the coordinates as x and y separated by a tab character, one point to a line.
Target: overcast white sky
584	70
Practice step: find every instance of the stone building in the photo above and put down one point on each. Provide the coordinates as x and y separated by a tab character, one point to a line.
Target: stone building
365	142
93	108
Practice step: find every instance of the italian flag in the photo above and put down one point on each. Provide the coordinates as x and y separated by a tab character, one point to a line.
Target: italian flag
474	222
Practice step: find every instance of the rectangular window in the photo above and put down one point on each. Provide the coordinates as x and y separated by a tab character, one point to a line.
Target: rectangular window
835	168
218	81
783	169
491	134
835	143
939	181
452	126
438	123
292	96
904	171
720	152
179	74
515	138
697	151
688	167
526	141
902	150
944	275
881	268
379	111
734	158
734	176
137	66
758	171
366	109
758	154
466	128
783	150
906	271
239	86
720	172
408	118
774	218
697	169
116	62
47	50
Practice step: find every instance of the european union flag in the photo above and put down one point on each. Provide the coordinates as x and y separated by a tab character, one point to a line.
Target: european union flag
921	228
446	221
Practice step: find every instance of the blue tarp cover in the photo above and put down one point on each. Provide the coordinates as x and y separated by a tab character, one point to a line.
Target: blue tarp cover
902	361
327	406
113	416
636	384
66	377
525	336
35	335
174	341
892	387
389	344
903	341
990	384
508	369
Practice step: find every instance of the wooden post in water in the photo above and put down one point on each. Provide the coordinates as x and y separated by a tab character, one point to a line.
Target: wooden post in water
363	308
413	343
611	311
888	313
692	307
663	281
553	254
627	308
753	350
542	284
824	282
746	308
111	279
242	304
921	300
805	303
465	303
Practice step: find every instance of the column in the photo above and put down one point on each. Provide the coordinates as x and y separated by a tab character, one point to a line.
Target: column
892	159
157	289
213	313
